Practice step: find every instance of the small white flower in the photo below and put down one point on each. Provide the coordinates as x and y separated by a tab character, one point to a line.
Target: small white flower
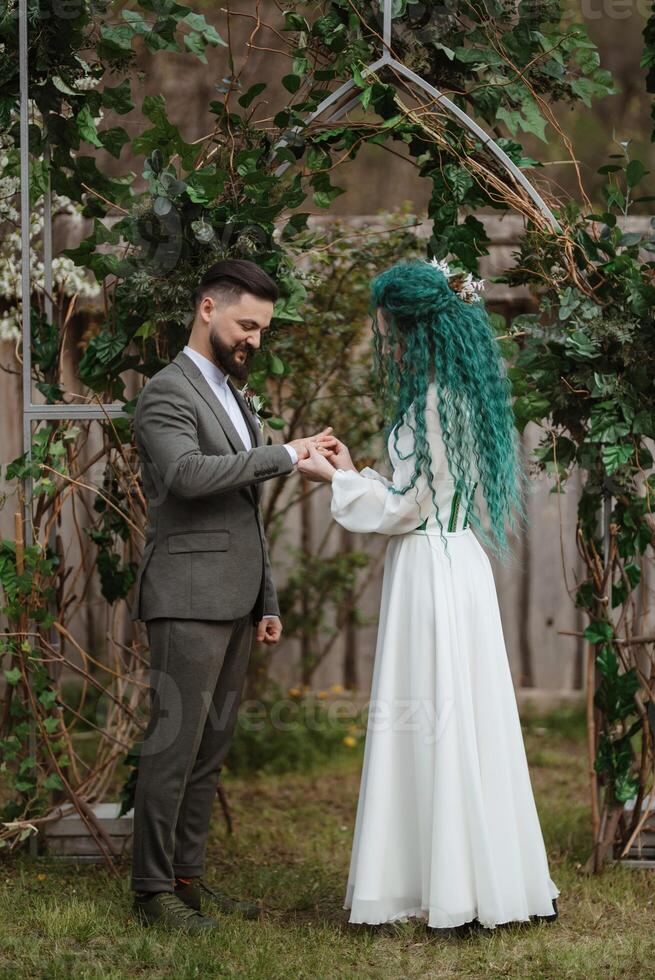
442	265
67	278
468	290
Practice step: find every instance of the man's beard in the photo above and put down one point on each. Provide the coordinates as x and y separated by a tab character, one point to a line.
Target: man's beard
224	356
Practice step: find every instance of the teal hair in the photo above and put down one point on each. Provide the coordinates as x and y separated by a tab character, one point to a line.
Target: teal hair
442	337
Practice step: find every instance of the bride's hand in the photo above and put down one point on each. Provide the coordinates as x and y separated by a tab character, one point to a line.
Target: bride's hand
340	457
316	467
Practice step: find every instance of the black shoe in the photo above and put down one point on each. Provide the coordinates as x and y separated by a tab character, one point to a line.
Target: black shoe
548	918
166	907
197	892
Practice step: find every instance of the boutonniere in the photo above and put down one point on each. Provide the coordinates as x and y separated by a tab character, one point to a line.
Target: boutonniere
255	404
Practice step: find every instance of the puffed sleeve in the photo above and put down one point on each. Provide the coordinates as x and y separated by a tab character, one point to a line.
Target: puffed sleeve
363	502
374	475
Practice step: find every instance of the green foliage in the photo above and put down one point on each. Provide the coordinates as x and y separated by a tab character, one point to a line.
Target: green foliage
648	59
29	692
584	371
284	733
316	586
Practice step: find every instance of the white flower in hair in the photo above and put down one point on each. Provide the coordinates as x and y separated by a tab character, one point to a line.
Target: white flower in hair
465	285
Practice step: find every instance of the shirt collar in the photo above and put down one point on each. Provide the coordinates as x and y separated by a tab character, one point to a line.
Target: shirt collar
210	370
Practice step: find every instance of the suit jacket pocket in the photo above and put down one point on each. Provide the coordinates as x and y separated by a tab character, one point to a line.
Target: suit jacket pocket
199	541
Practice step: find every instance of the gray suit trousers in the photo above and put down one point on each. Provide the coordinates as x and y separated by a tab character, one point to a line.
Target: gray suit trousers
197	675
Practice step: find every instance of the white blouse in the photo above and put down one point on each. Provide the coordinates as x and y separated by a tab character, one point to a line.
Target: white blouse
363	502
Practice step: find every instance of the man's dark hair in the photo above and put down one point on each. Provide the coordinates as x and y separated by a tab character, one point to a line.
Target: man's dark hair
230	278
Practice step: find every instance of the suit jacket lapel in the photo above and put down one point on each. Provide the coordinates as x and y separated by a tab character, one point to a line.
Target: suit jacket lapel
253	425
199	382
255	432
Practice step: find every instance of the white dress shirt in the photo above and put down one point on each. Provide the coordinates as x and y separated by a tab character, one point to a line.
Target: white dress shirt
217	381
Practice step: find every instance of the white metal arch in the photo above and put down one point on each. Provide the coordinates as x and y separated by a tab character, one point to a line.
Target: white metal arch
388	59
33	412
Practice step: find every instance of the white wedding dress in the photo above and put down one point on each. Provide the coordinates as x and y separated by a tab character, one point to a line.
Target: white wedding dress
446	828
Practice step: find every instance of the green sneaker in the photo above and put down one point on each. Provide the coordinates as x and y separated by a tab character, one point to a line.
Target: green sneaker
166	907
197	892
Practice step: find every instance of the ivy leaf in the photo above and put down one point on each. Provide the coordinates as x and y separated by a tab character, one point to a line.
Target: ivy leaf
291	83
482	57
532	407
195	45
614	456
86	127
205	185
365	96
296	223
115	40
52	781
13	676
206	31
294	22
277	366
598	632
118	97
114	140
605	425
626	787
48	697
136	21
252	93
530	120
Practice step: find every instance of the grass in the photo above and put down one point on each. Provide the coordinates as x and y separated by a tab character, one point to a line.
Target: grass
291	849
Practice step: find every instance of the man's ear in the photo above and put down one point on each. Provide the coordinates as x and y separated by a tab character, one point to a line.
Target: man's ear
205	308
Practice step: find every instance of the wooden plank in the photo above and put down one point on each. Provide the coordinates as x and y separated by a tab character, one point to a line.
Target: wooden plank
83	846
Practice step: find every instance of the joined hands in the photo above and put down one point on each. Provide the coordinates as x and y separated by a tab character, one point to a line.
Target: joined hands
325	455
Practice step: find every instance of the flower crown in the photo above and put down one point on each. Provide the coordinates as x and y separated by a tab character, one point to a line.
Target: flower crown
464	284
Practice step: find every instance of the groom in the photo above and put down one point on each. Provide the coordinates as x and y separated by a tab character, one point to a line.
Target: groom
204	583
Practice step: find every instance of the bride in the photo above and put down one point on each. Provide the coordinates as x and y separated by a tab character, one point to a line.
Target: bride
446	829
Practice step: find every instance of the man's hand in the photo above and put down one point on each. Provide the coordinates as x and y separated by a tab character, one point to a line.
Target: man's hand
322	440
269	630
316	468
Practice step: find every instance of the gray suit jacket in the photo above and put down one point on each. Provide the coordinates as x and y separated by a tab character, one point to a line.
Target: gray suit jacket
205	554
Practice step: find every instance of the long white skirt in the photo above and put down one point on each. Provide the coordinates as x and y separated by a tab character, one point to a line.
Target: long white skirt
446	829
